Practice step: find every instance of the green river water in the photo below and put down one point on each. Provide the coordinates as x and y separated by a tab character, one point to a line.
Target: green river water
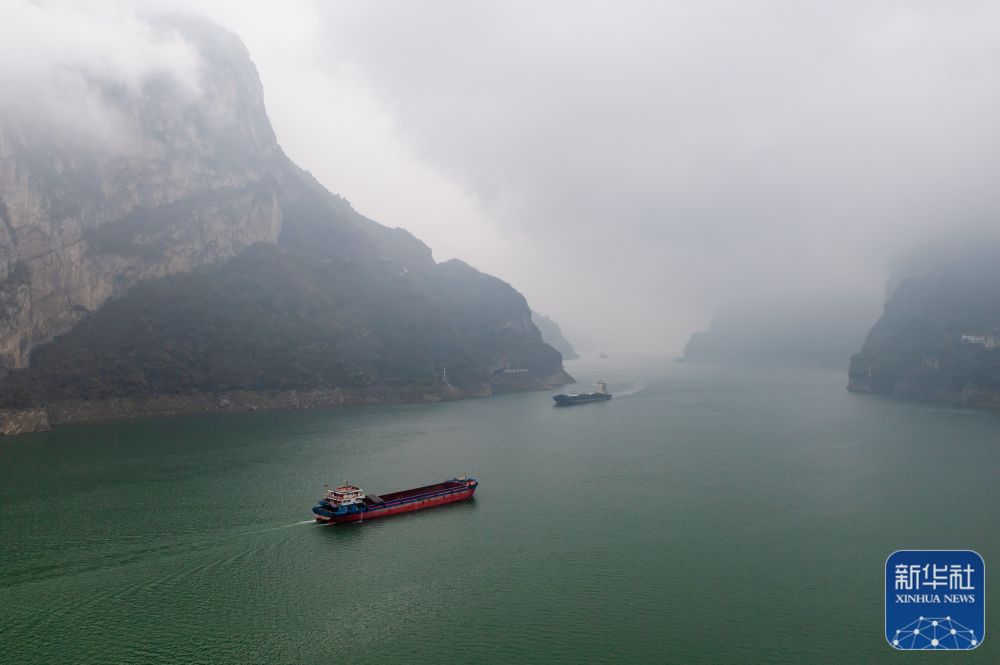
705	515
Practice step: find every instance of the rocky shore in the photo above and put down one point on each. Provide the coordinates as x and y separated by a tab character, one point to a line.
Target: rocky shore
40	419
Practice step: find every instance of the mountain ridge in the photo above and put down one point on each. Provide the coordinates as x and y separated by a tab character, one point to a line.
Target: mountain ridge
211	272
938	338
553	335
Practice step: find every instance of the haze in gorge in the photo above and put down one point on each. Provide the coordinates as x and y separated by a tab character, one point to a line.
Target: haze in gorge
633	168
254	253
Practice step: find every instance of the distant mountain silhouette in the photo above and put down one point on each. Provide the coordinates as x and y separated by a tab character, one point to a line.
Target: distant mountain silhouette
553	336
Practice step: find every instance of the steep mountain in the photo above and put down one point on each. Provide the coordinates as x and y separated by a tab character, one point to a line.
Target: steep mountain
553	336
939	336
188	179
817	333
190	265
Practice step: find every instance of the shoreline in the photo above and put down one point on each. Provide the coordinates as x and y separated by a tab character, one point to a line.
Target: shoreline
968	398
26	420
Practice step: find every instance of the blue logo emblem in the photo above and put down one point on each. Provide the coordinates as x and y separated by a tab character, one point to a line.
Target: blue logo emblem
935	599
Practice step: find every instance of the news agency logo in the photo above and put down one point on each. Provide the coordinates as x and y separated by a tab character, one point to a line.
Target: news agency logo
935	599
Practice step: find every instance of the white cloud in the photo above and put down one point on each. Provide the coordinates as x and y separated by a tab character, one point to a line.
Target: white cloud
59	61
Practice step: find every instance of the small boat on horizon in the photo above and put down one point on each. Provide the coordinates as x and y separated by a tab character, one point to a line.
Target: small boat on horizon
349	503
600	394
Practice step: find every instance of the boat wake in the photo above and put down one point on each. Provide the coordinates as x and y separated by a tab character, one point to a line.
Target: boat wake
633	391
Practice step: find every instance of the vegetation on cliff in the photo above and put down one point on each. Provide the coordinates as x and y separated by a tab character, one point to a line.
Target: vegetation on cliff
939	336
195	300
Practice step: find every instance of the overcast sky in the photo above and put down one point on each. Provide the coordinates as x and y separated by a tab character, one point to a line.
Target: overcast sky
632	166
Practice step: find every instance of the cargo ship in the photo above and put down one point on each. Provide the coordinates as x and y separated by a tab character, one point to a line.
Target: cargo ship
600	394
349	503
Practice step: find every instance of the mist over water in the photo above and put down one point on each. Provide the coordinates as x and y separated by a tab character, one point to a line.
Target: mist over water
703	515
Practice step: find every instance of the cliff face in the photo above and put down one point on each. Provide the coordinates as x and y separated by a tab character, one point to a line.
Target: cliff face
184	184
193	264
939	336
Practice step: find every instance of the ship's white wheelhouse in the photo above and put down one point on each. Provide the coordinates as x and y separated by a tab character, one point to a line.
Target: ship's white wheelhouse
346	495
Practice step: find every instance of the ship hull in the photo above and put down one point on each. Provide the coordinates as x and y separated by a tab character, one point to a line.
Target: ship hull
568	400
407	504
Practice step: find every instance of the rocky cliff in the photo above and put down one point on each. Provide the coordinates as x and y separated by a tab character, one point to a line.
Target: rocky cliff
939	336
191	265
186	181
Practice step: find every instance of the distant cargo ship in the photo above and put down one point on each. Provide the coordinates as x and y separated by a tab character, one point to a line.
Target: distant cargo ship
349	503
601	394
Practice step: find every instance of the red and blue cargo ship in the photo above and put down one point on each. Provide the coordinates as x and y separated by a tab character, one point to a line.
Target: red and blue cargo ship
349	503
